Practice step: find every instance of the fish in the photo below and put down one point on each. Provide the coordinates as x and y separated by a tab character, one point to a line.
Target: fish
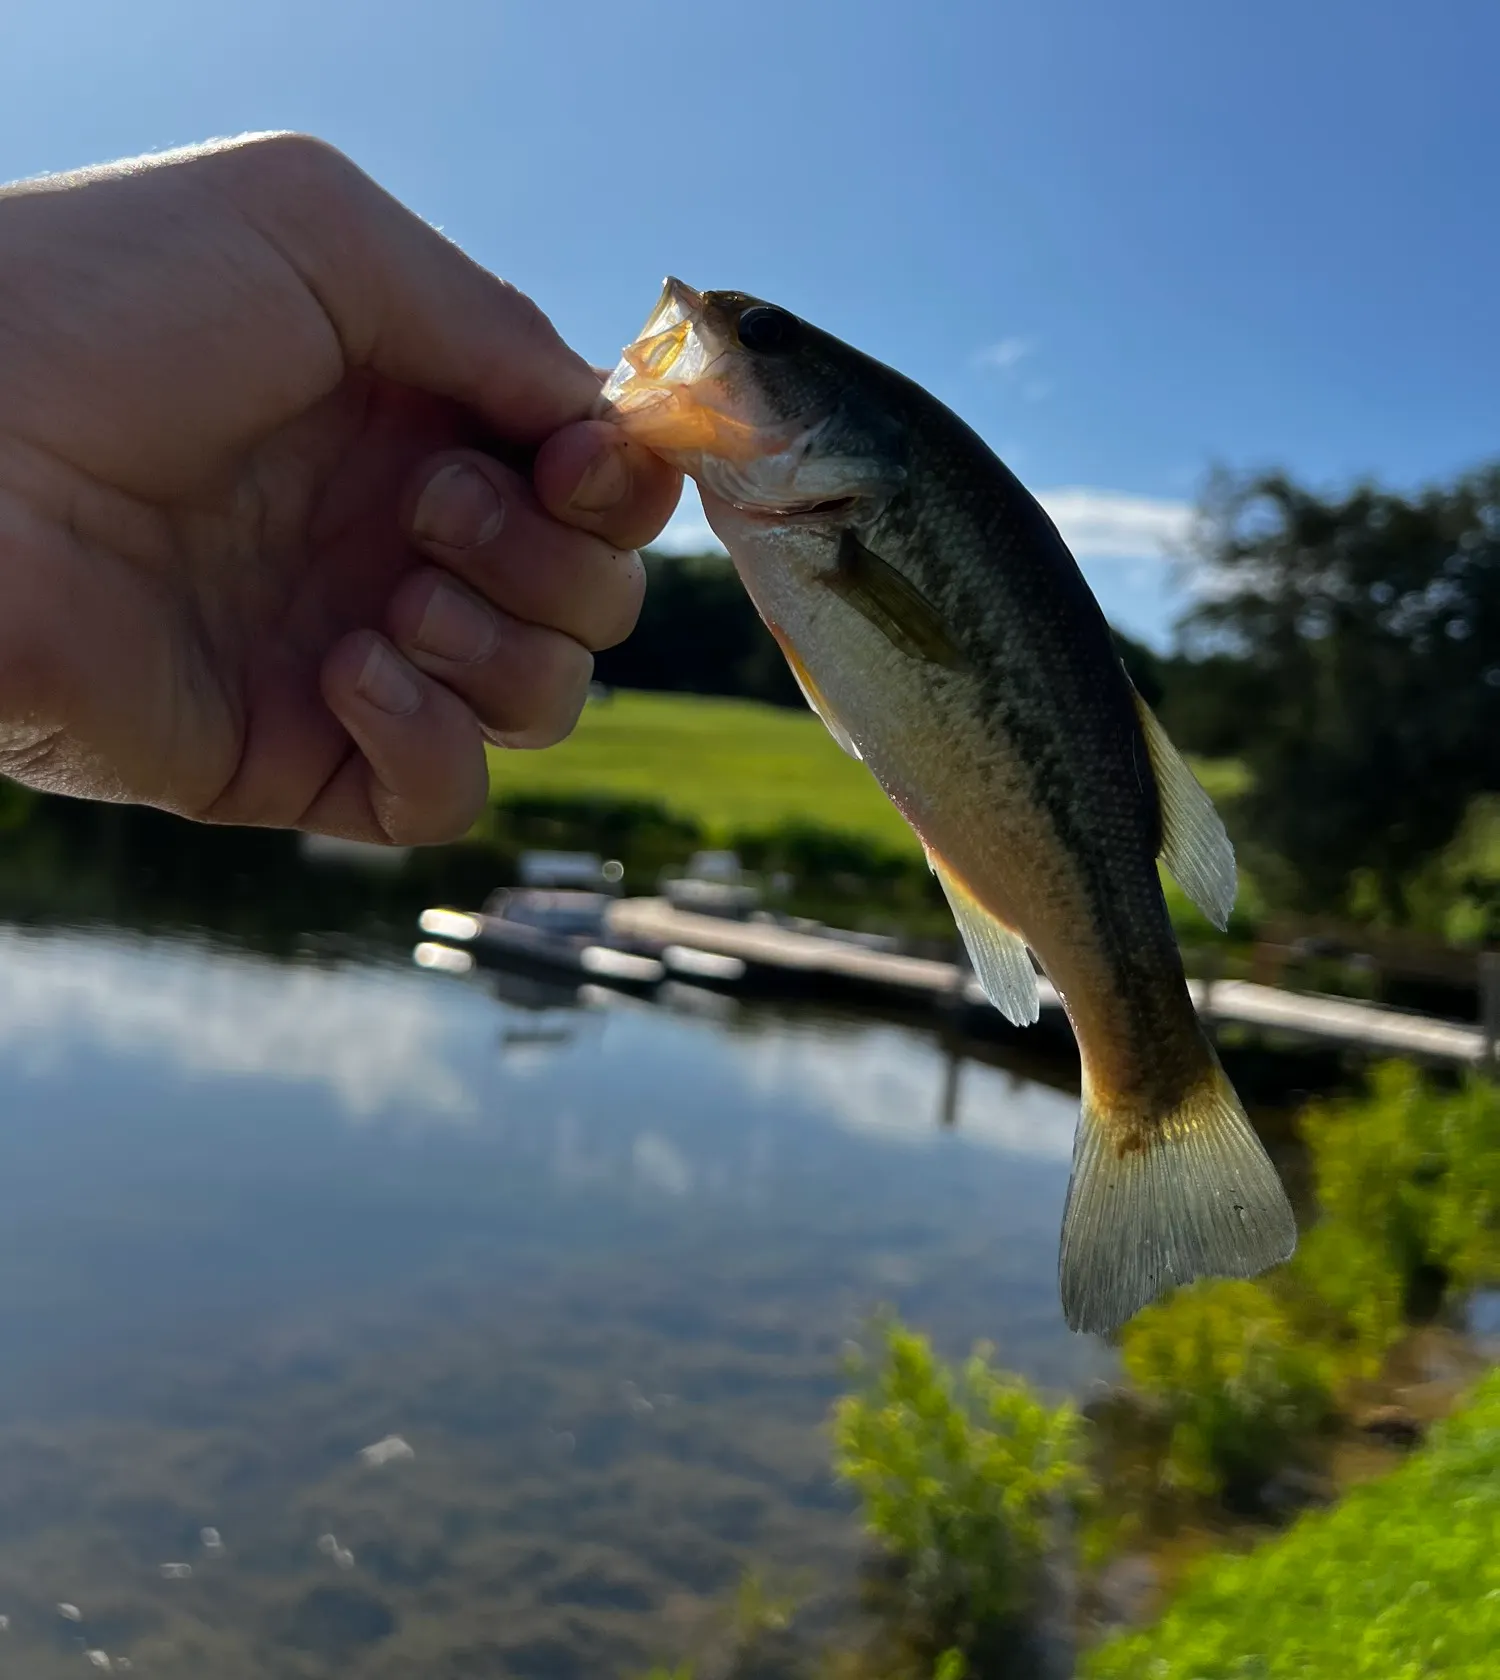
938	624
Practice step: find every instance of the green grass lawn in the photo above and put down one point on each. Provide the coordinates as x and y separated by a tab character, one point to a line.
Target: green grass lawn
1399	1582
739	765
731	764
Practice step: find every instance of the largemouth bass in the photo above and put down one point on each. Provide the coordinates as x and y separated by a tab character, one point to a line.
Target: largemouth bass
939	626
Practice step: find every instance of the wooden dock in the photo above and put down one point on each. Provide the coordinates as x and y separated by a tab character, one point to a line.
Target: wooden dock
839	965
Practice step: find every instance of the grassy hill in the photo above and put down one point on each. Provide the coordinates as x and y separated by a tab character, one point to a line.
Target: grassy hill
729	764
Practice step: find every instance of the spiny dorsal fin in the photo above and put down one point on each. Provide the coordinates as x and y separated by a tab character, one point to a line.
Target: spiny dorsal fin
898	609
813	695
1192	1195
1194	845
1001	961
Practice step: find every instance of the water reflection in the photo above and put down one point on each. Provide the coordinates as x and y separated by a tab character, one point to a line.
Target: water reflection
590	1261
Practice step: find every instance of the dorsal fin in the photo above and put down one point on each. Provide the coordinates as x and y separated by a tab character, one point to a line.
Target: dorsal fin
1194	845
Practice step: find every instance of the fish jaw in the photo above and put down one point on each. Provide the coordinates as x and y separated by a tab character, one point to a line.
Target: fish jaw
667	326
663	390
686	389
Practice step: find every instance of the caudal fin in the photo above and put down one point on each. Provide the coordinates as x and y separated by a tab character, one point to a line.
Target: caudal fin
1200	1198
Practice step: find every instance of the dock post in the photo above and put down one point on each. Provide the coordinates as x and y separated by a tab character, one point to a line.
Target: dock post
952	1073
1489	1011
1209	969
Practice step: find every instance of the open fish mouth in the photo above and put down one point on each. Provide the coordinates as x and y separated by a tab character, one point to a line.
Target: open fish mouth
670	351
673	389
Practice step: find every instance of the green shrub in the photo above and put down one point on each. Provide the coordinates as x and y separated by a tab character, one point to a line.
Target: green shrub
1346	1292
1376	1163
961	1474
1238	1392
1414	1170
16	804
1399	1582
839	874
1465	1235
642	833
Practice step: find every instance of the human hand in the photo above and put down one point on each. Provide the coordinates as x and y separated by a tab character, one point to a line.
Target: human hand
261	560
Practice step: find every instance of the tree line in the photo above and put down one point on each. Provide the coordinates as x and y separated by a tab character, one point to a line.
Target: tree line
1345	647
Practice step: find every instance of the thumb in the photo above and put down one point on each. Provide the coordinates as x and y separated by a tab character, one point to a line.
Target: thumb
403	299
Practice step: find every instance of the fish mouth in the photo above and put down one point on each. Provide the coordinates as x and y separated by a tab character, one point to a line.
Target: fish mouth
663	338
672	389
646	364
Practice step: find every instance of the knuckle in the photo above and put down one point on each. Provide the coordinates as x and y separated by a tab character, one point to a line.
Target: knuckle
527	353
530	321
293	187
299	161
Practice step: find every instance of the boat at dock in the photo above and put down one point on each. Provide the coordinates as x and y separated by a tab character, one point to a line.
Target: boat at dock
713	884
639	942
553	932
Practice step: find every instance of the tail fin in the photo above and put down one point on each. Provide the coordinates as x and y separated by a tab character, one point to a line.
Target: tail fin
1201	1198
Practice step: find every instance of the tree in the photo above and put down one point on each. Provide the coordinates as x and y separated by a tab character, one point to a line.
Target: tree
1368	631
699	634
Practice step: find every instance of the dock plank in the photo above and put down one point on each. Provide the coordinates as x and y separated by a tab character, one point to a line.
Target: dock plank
1347	1021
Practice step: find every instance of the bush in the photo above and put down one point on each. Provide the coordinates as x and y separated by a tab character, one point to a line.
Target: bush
832	867
1345	1292
642	833
1414	1170
1238	1392
1399	1582
16	804
961	1474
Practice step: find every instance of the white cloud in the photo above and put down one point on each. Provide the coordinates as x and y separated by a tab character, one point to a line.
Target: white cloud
1096	524
887	1083
376	1040
1004	355
1113	525
660	1165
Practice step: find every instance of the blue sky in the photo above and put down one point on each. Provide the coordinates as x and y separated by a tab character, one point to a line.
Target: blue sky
1124	241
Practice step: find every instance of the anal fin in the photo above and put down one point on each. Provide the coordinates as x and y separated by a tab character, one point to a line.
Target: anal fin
1194	846
1002	964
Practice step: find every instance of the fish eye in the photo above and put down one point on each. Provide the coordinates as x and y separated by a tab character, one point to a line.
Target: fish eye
766	330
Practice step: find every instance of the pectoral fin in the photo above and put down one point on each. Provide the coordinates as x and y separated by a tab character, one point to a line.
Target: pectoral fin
1194	845
898	609
813	695
1002	964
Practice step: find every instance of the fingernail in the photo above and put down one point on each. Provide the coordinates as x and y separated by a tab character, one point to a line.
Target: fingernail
603	486
386	685
456	626
459	508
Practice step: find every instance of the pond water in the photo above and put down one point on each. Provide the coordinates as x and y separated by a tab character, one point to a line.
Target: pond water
593	1261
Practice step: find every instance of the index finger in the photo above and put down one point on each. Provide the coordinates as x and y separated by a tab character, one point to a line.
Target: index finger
403	300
